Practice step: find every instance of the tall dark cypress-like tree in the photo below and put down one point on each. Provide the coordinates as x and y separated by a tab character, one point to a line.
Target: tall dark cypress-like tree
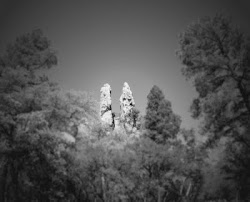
160	120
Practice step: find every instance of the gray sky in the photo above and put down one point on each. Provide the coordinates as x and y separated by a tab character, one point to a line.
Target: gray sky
116	41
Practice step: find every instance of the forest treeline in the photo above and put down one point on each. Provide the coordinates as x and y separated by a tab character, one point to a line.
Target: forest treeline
53	146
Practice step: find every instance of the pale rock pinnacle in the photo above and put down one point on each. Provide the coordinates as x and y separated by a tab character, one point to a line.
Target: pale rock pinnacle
105	105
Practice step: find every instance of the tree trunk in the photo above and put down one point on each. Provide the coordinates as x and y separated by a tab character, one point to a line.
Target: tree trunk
189	189
3	180
14	176
103	188
244	95
160	193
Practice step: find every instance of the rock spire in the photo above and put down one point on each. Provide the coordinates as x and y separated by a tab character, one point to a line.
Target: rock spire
127	104
126	101
105	105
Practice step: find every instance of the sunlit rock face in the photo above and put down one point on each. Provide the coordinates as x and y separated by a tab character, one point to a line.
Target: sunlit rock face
126	103
117	123
105	105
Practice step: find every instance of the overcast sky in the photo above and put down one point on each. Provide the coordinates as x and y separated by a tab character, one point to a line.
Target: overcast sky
100	42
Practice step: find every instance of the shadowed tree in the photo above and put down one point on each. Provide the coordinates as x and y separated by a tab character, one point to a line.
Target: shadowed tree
31	51
160	121
21	108
38	124
216	57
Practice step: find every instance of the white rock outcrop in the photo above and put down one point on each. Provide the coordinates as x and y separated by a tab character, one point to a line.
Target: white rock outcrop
126	101
106	105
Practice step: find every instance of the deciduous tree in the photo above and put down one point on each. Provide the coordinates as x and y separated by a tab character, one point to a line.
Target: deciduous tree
216	57
38	124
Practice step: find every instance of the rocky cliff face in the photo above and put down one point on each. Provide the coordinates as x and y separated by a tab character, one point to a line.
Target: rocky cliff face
106	105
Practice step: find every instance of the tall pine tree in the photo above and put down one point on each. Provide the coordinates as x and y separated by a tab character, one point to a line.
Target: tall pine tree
160	120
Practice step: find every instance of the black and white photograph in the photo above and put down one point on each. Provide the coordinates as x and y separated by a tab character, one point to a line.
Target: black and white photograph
124	101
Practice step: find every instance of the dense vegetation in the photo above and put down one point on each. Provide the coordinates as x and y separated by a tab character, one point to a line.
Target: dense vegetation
216	57
53	146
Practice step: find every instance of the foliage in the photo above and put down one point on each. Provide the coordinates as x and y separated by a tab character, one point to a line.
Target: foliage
53	146
115	166
38	124
160	121
135	117
216	57
30	51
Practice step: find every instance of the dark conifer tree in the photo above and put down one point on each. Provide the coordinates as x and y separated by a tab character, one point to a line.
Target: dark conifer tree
160	120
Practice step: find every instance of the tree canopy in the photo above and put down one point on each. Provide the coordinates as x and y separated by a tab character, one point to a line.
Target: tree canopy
38	122
160	121
53	146
216	57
